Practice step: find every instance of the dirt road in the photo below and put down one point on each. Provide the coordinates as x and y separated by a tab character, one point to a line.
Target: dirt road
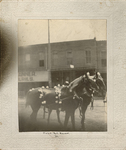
95	120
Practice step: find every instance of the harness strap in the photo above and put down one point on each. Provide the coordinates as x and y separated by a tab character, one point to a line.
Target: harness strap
80	107
59	100
92	102
65	98
105	100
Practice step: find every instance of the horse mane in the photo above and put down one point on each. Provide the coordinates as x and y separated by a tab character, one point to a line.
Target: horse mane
64	88
100	83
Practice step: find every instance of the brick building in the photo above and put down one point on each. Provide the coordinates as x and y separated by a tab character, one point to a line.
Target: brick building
69	60
32	67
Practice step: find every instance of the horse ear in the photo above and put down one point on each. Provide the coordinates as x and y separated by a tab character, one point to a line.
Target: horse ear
88	74
84	76
98	73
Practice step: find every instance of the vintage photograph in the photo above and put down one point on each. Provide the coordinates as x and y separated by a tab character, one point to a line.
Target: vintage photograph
62	75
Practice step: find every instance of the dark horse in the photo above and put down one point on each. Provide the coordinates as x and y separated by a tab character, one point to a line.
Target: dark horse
50	99
36	97
70	104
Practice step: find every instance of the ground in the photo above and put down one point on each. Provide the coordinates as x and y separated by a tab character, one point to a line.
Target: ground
95	120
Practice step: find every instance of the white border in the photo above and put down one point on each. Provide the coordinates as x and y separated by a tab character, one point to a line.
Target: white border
75	135
115	13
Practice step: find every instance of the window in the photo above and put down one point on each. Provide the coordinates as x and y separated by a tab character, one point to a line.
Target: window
55	55
69	54
41	59
69	58
88	56
27	57
69	61
41	63
41	56
55	58
103	61
103	54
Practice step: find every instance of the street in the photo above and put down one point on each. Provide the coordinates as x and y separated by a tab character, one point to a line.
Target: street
95	120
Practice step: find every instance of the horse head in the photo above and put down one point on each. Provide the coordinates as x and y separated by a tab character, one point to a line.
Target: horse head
87	86
100	82
91	83
64	91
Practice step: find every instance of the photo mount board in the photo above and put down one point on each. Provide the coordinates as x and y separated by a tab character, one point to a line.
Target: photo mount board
114	13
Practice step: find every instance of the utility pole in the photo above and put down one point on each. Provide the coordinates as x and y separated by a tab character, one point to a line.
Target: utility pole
49	57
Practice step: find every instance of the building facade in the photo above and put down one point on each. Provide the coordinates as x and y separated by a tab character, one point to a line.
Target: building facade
32	67
69	60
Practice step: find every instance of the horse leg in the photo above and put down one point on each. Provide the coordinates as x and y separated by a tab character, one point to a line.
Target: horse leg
73	120
58	112
66	119
33	116
83	118
49	113
44	112
33	119
82	122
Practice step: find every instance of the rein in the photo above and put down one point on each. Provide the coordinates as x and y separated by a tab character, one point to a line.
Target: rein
65	98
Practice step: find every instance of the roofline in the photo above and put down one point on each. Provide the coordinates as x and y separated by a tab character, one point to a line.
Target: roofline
64	42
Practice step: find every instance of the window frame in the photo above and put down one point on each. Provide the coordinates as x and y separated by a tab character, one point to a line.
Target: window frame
41	59
103	62
88	56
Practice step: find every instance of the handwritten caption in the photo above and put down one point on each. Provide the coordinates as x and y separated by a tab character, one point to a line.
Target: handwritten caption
56	133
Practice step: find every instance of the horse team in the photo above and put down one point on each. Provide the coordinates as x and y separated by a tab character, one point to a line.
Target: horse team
78	94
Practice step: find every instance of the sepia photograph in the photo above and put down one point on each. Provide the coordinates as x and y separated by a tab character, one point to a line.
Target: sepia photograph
62	75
